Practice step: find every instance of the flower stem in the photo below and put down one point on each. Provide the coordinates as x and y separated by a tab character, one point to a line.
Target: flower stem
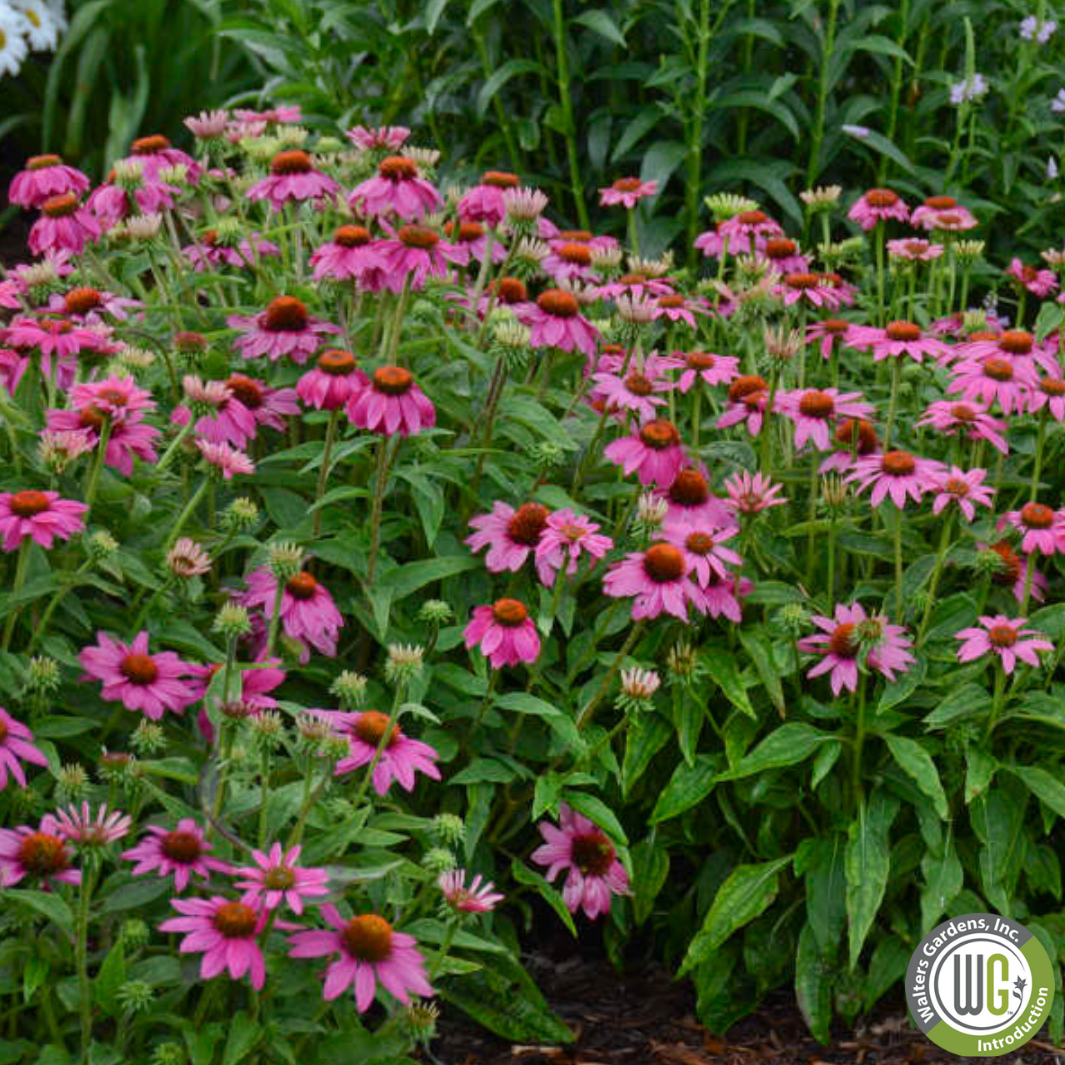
933	584
378	502
187	513
896	373
21	566
323	473
859	740
101	454
1040	438
81	959
585	714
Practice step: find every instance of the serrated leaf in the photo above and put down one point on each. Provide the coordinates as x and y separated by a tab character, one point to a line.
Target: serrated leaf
867	863
915	761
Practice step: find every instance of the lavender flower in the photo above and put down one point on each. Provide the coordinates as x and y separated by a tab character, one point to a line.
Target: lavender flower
968	89
1057	105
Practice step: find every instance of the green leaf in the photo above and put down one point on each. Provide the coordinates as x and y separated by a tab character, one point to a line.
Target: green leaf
603	24
900	690
813	986
500	76
109	979
721	665
485	770
494	1002
244	1033
998	820
524	875
645	737
762	102
54	728
875	42
886	968
758	646
914	760
867	863
406	579
788	745
650	867
134	895
820	861
980	768
965	701
690	784
943	879
748	891
1045	787
597	811
45	903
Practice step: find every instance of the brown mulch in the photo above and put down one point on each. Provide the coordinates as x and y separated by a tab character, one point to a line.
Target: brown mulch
645	1018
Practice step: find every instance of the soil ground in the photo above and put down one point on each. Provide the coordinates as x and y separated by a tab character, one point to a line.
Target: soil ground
645	1018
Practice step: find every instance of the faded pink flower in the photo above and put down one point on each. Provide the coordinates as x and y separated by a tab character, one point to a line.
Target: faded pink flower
1005	637
179	852
38	516
16	746
275	878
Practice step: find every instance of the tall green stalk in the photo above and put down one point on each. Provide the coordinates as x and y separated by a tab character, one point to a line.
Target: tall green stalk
566	102
817	135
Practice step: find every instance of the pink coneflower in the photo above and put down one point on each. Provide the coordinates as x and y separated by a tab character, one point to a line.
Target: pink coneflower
391	403
896	339
350	255
112	203
45	177
212	252
485	202
567	537
994	379
150	683
180	852
40	854
368	140
689	496
207	124
702	365
783	256
38	516
676	308
845	635
241	405
878	205
469	243
555	321
58	338
371	952
721	597
510	535
897	475
951	418
853	437
155	152
914	249
292	177
748	397
16	742
307	610
267	406
640	391
256	682
229	461
832	333
626	192
478	897
813	411
965	488
1049	393
810	288
284	328
582	847
275	878
225	933
87	306
396	189
704	544
415	253
929	214
333	381
635	287
273	116
504	633
401	756
77	824
188	559
751	493
1041	283
743	234
1013	572
1005	637
657	580
118	398
1043	529
1017	346
64	225
654	453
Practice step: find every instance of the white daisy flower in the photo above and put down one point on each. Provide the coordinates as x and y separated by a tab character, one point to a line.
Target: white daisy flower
42	31
13	48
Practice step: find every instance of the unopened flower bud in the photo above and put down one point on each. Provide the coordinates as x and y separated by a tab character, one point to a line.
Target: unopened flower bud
833	491
651	511
605	261
135	996
232	621
449	829
404	663
638	687
783	345
726	205
168	1054
188	559
682	660
652	268
148	738
792	617
241	514
134	933
547	454
968	251
285	559
350	689
143	227
435	612
128	174
43	674
438	860
419	1021
73	783
821	198
102	545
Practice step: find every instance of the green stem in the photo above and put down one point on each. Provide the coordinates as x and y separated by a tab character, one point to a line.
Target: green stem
933	584
275	617
323	473
1038	467
378	501
896	375
81	960
813	168
997	700
187	513
449	938
98	464
21	566
41	628
898	565
585	715
859	740
562	65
